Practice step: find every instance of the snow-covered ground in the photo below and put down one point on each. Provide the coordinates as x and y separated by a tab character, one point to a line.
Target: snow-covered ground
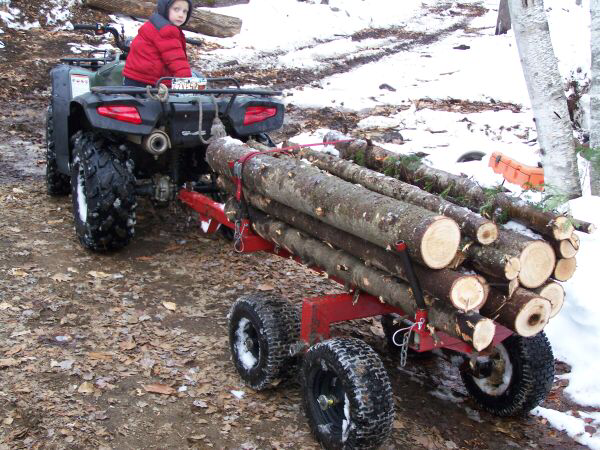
293	34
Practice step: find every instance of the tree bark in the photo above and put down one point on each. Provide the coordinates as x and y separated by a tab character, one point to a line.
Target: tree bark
548	99
526	313
465	292
503	21
555	294
460	190
490	260
470	327
203	22
595	94
432	240
473	225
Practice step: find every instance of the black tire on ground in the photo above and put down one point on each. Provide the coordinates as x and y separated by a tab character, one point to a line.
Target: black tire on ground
347	394
391	323
103	191
471	156
515	378
56	183
262	329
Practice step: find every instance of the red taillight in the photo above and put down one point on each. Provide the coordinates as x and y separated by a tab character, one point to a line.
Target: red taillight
258	114
123	113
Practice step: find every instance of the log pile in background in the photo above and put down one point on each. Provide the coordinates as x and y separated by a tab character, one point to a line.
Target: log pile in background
346	219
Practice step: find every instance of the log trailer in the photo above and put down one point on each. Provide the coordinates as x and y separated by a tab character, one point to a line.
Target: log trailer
347	393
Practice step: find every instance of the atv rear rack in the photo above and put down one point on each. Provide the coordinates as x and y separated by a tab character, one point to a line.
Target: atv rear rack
134	90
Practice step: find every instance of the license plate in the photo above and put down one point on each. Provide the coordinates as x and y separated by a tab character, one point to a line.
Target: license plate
195	83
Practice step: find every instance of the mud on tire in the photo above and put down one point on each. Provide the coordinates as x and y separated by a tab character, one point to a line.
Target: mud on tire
347	394
525	382
103	191
262	328
56	183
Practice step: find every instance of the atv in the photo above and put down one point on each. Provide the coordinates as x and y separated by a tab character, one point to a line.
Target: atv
108	144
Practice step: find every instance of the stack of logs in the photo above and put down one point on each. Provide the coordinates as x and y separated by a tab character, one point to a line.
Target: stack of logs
347	218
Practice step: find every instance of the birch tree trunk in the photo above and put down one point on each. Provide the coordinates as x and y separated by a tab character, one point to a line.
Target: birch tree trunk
595	92
548	100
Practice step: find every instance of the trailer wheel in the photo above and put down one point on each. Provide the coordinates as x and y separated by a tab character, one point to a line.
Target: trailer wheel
103	193
347	394
262	328
391	324
515	378
56	183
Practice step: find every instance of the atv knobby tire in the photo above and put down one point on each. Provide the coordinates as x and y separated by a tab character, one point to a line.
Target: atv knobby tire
262	330
103	190
522	385
56	183
347	394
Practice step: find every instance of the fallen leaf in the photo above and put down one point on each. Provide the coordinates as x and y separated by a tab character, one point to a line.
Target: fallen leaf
170	306
103	356
8	421
97	274
15	271
4	306
159	389
128	344
265	287
18	191
54	222
8	362
60	277
86	388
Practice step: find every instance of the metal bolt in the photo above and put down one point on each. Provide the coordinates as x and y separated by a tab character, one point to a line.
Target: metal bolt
325	402
248	344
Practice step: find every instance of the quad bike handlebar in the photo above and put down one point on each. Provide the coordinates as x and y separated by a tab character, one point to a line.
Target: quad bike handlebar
100	29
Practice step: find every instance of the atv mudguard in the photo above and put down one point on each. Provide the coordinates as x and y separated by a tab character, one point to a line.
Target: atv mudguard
61	97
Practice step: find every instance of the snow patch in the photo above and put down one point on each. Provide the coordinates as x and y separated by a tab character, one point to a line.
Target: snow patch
573	426
246	357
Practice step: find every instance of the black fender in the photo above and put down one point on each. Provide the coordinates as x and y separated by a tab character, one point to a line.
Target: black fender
149	110
237	112
61	96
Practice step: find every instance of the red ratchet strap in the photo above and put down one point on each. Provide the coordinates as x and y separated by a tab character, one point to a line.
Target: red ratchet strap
237	166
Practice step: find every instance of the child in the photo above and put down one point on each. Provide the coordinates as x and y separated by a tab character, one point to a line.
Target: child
159	48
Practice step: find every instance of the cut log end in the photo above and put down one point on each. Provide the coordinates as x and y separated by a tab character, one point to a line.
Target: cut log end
533	317
565	268
537	263
483	334
440	243
512	268
487	233
562	228
568	248
468	293
555	294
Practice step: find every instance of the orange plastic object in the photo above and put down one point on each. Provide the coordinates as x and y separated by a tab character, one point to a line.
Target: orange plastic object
528	177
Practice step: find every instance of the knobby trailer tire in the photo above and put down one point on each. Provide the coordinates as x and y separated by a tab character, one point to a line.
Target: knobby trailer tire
531	365
347	394
103	193
262	329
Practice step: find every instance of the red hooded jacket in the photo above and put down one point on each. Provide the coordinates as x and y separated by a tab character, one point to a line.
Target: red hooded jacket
158	50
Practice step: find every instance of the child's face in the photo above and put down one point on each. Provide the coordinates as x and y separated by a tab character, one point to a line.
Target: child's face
178	12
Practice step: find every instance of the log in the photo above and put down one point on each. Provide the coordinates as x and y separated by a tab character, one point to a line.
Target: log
526	313
431	239
555	294
584	227
460	190
465	292
473	225
536	256
470	327
201	21
565	269
567	248
489	260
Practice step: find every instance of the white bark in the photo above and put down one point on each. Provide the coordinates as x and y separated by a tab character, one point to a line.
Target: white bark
548	100
595	92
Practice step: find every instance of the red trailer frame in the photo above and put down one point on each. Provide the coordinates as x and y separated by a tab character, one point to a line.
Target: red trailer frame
319	313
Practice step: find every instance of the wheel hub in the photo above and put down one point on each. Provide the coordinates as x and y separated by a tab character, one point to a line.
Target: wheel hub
248	344
325	402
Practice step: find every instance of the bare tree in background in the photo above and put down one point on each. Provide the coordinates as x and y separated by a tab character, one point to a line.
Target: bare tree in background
503	22
548	99
595	95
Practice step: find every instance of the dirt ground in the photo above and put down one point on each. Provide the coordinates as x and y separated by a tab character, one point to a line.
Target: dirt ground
130	350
